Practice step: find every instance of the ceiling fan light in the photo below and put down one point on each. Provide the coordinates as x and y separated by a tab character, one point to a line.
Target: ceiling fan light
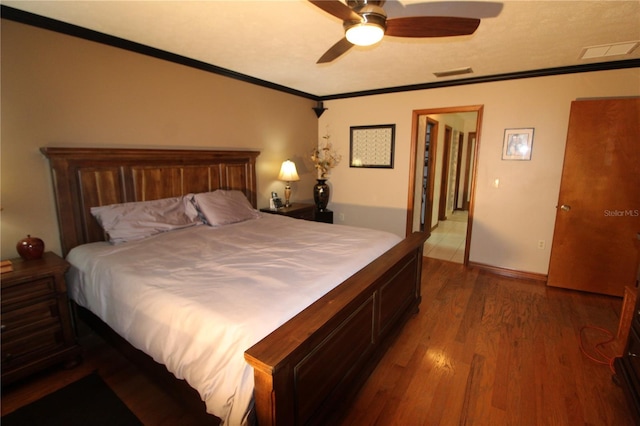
364	34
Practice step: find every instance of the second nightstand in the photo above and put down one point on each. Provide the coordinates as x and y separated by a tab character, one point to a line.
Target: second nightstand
295	210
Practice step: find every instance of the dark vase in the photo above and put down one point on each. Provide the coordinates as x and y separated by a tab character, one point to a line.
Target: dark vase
321	194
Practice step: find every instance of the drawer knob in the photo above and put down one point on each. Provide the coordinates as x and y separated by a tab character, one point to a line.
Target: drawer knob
2	327
632	355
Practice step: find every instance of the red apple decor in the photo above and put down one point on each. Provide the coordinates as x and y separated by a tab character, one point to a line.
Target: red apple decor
30	248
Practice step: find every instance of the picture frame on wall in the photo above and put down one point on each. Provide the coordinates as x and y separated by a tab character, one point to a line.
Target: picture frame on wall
517	144
372	146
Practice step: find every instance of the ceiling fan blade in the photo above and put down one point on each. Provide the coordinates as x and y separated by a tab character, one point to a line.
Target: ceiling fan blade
431	26
337	9
335	51
466	9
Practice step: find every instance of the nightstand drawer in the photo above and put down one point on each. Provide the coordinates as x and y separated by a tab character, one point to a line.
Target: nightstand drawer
29	319
307	214
27	291
22	349
30	330
303	211
296	211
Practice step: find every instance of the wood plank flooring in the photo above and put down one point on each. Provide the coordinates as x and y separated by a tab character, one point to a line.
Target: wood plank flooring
489	350
484	350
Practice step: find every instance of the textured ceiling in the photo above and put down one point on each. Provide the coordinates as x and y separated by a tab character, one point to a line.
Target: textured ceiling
280	41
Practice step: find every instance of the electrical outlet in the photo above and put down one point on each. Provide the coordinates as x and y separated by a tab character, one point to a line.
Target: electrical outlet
541	244
341	216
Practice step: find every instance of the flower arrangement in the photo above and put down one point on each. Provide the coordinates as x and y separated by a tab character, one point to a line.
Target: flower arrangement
324	157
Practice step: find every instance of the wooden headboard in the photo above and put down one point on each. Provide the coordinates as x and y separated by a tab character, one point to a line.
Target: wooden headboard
89	177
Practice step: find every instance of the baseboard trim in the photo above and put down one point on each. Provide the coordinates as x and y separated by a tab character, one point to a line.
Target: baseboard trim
511	273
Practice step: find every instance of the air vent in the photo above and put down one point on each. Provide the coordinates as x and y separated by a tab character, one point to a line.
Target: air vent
604	50
457	71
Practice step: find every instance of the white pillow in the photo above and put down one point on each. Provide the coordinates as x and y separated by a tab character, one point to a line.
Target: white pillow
138	220
222	207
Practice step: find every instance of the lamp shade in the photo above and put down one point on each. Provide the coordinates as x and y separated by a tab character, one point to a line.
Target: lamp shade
288	172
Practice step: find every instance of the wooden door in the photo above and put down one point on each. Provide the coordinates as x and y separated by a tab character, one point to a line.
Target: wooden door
444	181
428	175
598	212
456	204
471	142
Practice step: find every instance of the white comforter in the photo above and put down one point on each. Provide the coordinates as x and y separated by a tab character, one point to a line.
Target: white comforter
195	299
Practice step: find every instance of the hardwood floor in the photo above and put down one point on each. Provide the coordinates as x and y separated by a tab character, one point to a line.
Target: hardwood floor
484	350
489	350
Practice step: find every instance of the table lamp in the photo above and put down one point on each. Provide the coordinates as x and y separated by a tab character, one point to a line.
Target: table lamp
288	173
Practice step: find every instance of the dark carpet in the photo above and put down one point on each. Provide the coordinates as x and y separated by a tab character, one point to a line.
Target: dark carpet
87	402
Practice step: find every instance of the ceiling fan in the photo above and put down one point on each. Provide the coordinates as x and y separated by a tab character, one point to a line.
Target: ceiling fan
365	23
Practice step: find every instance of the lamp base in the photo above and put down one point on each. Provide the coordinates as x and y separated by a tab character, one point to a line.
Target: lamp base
287	195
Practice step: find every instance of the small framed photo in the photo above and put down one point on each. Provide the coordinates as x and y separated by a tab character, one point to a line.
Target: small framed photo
372	146
517	144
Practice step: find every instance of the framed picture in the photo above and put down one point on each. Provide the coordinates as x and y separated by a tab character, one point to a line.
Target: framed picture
517	144
372	146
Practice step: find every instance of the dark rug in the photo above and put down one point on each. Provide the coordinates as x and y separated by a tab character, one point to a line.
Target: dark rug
87	402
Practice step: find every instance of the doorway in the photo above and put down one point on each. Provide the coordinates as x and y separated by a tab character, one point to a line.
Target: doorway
430	208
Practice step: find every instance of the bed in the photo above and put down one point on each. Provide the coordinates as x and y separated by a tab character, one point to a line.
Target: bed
309	362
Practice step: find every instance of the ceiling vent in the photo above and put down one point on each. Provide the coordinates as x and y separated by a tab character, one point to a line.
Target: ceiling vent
457	71
615	49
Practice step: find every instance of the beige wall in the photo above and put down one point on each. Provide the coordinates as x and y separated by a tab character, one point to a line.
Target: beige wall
508	220
63	91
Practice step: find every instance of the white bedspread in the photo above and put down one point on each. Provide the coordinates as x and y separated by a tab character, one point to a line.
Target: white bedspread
195	299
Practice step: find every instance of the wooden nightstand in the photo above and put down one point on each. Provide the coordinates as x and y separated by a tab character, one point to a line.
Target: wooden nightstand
295	210
37	330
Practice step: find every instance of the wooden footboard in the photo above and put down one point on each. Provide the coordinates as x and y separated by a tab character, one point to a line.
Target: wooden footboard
310	367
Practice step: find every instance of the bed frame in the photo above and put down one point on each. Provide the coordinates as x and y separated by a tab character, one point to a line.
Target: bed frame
307	370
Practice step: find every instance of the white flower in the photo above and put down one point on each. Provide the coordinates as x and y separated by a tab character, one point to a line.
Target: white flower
324	157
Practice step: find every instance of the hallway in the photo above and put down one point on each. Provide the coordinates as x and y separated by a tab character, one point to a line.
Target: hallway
448	240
